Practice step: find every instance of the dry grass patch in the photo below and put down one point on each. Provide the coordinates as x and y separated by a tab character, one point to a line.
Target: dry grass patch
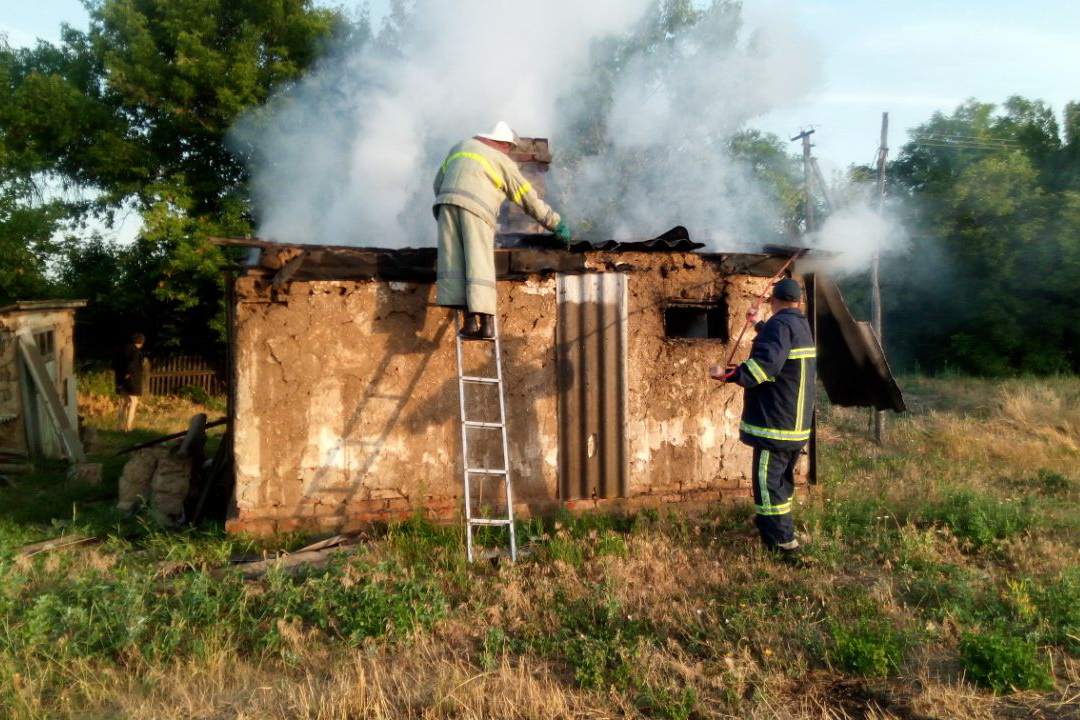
960	530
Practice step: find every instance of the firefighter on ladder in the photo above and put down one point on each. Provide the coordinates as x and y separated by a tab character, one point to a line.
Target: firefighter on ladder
471	185
778	406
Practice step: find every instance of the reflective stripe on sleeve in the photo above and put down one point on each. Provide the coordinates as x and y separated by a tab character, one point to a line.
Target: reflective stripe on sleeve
521	192
756	370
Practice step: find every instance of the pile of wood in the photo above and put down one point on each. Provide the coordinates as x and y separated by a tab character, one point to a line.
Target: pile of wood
174	482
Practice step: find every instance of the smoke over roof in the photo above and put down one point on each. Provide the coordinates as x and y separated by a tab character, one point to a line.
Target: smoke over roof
638	126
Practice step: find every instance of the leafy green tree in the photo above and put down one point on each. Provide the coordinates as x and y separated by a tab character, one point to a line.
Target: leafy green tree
995	223
777	170
133	112
26	229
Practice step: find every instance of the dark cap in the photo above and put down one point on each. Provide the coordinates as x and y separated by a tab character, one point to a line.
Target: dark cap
787	290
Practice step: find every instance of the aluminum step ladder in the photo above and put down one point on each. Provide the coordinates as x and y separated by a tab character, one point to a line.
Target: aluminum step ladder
476	426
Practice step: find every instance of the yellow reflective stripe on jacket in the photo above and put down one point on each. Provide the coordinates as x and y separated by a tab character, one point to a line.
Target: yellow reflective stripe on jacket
495	178
802	395
521	192
756	371
773	433
801	354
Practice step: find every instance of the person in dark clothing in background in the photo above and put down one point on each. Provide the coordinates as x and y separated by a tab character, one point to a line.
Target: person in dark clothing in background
778	406
127	372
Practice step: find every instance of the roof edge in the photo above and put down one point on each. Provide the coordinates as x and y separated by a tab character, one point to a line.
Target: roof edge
31	305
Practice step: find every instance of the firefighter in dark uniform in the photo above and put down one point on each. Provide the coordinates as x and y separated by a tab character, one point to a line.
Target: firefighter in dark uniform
778	405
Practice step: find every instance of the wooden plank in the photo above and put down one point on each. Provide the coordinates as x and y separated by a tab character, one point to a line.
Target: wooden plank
166	438
290	563
54	544
36	366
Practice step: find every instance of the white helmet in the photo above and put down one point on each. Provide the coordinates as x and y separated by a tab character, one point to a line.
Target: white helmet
500	133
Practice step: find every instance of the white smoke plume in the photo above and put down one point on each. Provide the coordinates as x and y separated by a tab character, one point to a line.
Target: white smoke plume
854	233
349	154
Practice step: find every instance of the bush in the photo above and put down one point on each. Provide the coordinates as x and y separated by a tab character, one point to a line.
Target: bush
873	648
1058	603
670	703
978	520
1003	662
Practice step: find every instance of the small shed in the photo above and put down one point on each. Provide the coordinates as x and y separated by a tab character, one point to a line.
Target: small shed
38	395
345	395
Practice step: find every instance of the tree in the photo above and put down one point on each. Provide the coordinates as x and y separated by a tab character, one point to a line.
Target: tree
994	209
134	112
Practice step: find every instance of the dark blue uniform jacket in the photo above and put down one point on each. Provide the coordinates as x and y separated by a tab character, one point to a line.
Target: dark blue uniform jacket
778	404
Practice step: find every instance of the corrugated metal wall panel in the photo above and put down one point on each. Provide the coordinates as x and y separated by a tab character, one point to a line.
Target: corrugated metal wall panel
591	336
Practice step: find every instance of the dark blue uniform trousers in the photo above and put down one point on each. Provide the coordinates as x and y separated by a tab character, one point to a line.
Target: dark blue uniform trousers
774	486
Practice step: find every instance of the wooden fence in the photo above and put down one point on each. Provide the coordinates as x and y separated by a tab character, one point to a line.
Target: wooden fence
169	375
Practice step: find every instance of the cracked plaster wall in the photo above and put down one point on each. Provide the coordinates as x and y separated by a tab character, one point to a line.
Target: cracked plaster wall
347	402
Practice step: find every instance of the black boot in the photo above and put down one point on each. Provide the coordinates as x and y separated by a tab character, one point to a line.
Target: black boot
470	326
487	327
478	326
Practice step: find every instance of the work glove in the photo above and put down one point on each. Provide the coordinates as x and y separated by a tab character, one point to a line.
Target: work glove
562	232
723	376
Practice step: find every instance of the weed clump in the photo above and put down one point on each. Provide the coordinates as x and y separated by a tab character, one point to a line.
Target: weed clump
1003	662
978	520
871	647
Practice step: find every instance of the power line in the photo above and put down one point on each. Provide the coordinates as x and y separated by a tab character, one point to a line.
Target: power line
965	142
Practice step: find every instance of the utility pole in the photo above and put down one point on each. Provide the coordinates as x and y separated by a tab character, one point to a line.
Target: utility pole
821	185
875	287
808	176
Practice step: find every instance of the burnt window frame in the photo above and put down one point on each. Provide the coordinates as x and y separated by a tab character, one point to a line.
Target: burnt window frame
46	343
716	319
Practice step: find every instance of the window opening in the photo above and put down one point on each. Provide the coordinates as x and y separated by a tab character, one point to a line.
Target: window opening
704	321
46	342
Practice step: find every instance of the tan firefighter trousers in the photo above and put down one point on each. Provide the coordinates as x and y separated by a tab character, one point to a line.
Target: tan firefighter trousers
466	270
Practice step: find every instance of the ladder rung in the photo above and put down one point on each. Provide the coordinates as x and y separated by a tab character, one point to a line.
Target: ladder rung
490	521
485	471
480	380
478	424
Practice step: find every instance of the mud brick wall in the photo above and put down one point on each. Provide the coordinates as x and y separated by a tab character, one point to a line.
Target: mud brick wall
347	398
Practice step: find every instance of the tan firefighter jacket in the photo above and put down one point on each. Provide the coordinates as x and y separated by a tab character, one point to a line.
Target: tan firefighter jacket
478	177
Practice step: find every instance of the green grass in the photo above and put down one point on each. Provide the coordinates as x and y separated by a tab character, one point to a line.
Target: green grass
935	550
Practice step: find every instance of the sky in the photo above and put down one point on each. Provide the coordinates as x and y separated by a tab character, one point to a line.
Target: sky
908	58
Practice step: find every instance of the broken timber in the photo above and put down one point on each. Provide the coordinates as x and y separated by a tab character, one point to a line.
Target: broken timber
314	556
167	438
54	408
54	544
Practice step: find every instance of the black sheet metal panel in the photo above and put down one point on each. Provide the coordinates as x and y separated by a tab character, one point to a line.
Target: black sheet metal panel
591	354
851	362
677	239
